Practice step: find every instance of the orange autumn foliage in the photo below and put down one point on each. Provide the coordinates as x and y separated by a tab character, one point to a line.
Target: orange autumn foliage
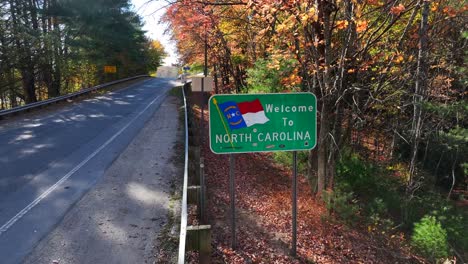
397	10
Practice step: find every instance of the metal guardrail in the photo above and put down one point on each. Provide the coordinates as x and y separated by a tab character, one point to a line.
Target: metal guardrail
183	217
28	107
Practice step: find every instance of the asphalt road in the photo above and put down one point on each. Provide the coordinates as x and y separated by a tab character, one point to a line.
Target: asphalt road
50	161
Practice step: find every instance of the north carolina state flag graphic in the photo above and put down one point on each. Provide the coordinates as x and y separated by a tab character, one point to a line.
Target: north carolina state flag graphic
244	114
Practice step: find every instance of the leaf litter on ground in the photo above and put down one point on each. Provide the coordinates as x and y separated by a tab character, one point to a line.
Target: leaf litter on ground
263	218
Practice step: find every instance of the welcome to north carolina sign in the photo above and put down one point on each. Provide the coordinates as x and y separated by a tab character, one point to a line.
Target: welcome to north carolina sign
262	122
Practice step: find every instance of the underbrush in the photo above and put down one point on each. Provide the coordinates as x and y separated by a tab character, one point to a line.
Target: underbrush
285	158
429	213
374	196
368	190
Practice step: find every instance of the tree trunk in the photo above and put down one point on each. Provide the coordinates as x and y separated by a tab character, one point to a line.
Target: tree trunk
312	160
46	64
26	65
453	175
419	91
323	31
28	82
331	171
322	150
394	137
2	100
311	169
215	78
57	45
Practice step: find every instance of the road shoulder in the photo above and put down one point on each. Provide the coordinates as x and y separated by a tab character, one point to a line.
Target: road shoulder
119	219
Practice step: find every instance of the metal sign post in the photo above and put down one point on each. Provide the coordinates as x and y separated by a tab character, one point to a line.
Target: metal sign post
232	195
294	205
202	129
205	74
202	111
202	191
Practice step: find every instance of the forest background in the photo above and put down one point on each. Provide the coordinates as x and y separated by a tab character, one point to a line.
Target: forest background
390	79
53	47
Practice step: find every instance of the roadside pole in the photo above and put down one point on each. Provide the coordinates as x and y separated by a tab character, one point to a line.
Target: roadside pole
202	139
205	74
202	191
201	165
202	112
233	202
294	205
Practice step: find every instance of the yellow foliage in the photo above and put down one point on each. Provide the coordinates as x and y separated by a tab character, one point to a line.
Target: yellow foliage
398	59
304	19
341	24
156	44
358	11
313	14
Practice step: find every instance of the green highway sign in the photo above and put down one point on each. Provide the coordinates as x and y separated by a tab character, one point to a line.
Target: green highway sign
243	123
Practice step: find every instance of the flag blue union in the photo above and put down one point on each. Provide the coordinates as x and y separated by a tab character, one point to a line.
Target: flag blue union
244	114
233	115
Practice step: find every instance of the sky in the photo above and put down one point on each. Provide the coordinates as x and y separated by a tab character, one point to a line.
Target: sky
151	12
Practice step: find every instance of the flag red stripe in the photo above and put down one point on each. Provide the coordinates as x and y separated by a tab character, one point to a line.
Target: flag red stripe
250	107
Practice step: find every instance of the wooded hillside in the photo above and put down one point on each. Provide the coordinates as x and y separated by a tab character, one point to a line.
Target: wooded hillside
53	47
391	82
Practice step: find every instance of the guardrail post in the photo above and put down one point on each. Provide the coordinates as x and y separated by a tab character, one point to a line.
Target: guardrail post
199	238
193	195
194	175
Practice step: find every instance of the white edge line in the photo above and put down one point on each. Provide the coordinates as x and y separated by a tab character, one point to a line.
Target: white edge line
19	215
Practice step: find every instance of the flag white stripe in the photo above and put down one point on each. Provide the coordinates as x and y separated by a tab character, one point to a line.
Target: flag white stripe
255	118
